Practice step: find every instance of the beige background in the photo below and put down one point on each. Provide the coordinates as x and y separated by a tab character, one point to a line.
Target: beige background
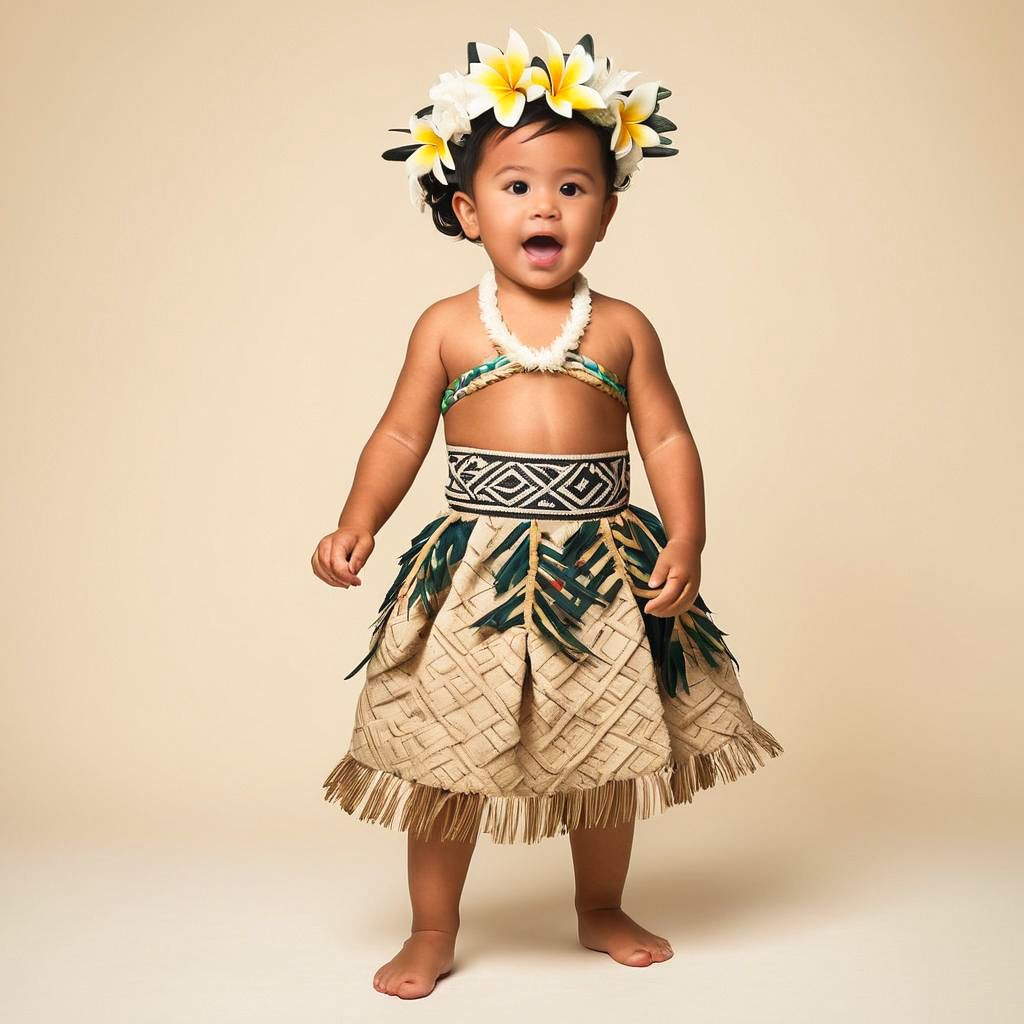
208	280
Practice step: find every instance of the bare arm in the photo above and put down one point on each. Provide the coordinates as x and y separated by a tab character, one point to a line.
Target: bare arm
663	437
392	456
672	464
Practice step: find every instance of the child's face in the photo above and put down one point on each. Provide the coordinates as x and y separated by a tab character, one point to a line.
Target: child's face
556	185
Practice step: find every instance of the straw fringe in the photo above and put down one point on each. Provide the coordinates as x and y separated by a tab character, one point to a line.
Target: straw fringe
394	802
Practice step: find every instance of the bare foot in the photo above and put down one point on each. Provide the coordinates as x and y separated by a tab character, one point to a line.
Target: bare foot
425	956
610	930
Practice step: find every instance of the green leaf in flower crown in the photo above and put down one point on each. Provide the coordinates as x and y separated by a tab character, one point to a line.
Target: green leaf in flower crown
660	123
539	62
400	152
587	42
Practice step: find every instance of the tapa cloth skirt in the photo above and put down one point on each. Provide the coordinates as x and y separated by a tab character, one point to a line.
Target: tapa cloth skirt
514	685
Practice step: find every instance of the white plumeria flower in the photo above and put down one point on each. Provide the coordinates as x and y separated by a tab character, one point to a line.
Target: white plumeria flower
629	115
504	77
608	83
563	86
457	100
506	81
432	152
607	80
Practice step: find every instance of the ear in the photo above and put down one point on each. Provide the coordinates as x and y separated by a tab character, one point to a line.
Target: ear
610	206
465	210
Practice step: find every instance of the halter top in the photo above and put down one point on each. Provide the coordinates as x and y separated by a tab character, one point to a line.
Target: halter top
575	364
515	357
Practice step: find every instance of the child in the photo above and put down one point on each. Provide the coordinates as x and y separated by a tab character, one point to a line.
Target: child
543	662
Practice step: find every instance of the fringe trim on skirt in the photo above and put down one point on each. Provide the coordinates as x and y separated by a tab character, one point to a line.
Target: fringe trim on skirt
394	802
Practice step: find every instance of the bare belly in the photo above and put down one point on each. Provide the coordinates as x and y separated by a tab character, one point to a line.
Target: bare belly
538	412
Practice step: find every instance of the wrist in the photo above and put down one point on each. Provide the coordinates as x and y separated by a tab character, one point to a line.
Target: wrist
357	526
694	544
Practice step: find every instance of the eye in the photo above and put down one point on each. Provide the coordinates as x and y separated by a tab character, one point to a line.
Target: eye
572	184
512	184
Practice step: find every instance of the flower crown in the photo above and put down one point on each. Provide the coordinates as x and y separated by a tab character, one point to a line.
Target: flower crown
506	82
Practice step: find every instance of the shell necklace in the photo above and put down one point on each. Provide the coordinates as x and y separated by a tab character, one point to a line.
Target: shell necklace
550	358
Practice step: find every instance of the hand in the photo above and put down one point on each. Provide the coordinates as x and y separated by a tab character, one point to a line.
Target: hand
340	555
678	567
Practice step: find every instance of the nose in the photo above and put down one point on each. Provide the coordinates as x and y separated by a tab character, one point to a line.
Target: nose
544	204
545	208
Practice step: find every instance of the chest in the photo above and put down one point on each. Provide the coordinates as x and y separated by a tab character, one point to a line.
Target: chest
572	352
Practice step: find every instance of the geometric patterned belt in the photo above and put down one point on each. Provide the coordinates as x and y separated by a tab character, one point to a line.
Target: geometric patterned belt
524	485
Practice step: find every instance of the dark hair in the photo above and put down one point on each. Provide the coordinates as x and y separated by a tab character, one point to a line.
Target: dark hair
467	157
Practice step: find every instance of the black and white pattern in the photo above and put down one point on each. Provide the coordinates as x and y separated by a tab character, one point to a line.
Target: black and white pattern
525	485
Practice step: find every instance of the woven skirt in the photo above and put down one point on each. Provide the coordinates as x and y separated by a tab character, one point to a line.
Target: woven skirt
514	685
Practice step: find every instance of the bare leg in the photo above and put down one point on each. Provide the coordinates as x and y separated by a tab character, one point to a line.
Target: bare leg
600	861
437	873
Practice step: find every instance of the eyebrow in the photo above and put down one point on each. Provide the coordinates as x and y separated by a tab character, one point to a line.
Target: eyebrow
565	170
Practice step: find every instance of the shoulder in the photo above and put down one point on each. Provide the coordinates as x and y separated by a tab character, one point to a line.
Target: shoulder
436	324
637	331
437	316
442	317
440	331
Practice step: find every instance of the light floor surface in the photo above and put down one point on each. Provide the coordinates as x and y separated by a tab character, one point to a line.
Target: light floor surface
153	932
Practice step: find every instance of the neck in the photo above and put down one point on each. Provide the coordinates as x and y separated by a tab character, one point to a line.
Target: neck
557	295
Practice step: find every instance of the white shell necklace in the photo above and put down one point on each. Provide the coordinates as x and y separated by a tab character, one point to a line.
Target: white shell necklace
506	342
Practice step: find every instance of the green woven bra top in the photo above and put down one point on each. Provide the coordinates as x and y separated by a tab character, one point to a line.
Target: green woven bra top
503	365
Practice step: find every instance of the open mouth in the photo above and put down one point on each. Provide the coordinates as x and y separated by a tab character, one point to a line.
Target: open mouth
542	250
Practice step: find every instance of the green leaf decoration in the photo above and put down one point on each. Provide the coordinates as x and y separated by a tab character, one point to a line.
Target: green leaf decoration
568	581
660	123
552	626
432	577
538	62
399	152
587	42
435	573
640	537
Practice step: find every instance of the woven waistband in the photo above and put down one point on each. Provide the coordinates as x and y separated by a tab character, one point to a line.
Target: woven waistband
525	485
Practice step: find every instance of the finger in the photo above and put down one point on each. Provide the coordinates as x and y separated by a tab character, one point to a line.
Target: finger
360	553
664	577
673	588
339	560
335	573
323	571
337	578
685	600
657	576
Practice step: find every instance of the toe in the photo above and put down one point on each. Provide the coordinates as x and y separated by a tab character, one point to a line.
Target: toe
413	988
639	958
